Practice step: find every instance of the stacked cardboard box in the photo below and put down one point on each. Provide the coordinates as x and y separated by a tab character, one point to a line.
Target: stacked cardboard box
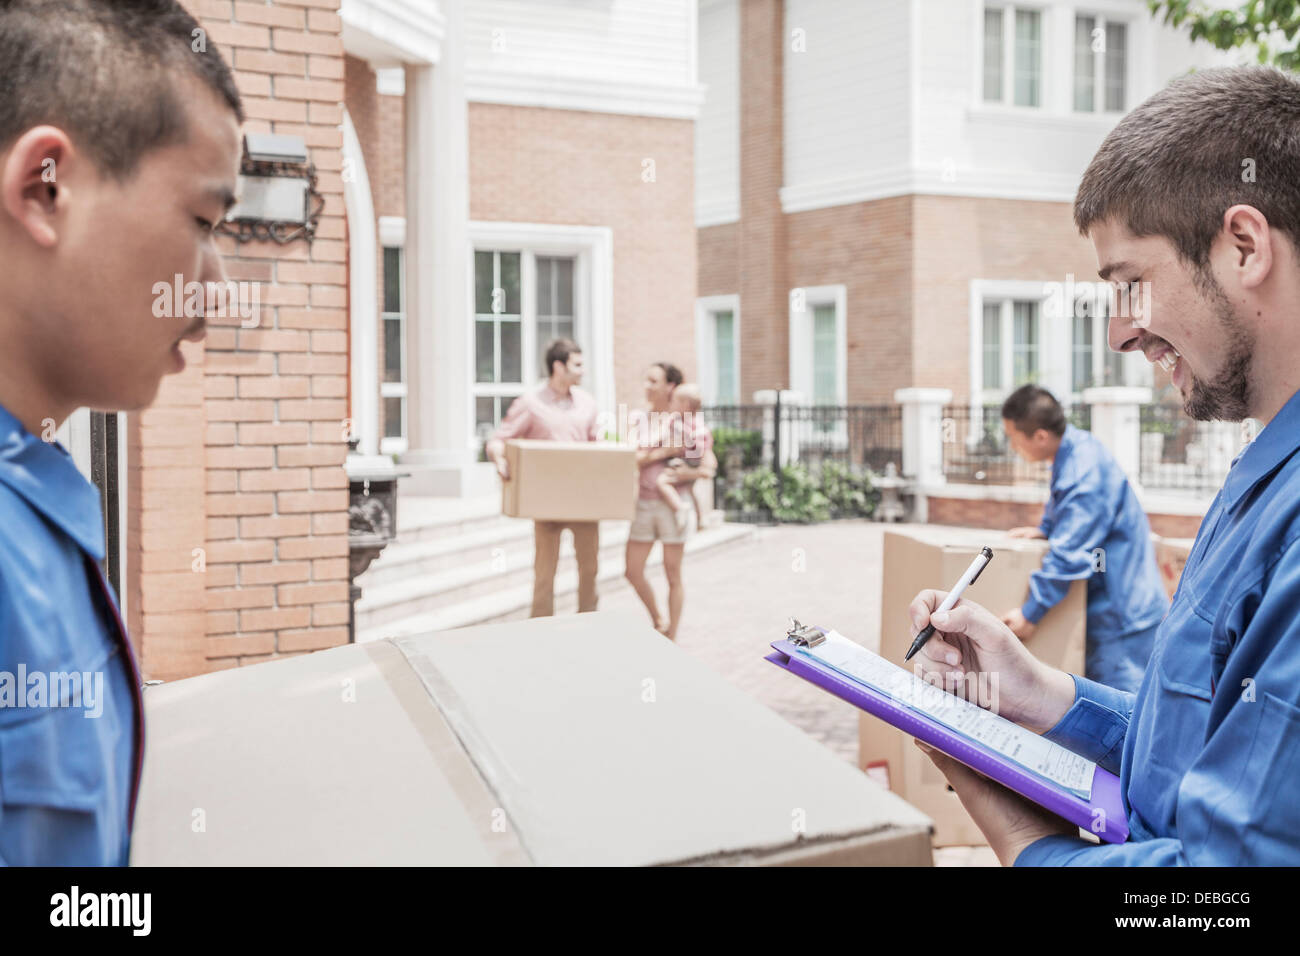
580	740
935	557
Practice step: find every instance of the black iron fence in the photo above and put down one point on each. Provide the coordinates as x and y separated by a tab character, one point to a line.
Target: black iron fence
864	437
835	449
1177	453
976	450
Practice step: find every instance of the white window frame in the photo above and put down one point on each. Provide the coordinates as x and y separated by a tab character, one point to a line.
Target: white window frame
1053	346
1056	104
74	436
1055	342
801	344
1007	99
392	235
1099	62
802	373
593	316
706	311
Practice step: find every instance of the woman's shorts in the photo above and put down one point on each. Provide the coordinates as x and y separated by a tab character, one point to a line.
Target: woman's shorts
655	521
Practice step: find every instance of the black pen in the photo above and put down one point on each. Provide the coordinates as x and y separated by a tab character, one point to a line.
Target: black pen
979	564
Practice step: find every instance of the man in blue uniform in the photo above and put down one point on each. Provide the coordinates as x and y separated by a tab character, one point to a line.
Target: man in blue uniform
1098	532
1194	196
119	149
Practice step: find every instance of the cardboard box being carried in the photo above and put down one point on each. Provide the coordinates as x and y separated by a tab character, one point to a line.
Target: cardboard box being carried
935	557
584	740
569	481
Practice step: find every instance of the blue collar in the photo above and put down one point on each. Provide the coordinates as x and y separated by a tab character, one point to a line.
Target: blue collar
44	475
1263	456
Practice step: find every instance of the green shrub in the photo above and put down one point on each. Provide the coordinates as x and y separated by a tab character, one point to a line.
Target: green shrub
836	490
850	493
750	441
797	500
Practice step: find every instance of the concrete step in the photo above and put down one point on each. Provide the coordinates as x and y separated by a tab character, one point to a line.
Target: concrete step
474	570
432	519
509	600
405	559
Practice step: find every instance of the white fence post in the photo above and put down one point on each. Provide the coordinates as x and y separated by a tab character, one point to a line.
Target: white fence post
767	398
1117	423
923	432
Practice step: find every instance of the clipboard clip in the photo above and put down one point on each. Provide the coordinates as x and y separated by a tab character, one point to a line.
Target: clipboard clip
805	635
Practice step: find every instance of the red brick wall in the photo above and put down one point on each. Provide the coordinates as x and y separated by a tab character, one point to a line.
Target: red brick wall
986	513
982	513
574	167
867	248
764	288
718	269
1175	526
957	239
237	533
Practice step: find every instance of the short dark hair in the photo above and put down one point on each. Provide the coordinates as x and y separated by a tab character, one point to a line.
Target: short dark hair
1177	162
1030	408
559	350
672	374
103	72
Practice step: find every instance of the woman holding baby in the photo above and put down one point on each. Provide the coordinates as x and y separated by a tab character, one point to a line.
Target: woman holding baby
674	448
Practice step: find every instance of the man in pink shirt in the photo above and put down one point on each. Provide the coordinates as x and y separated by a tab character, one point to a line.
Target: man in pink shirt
558	410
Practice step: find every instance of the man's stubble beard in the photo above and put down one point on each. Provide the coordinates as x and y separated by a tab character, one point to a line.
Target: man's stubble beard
1227	397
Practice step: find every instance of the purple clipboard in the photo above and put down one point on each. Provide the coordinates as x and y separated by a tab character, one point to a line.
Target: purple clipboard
1104	815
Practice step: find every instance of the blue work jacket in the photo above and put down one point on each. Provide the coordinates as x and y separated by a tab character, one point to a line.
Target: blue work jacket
1098	531
1208	750
71	728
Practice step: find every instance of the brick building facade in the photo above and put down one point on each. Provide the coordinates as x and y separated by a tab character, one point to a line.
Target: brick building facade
430	147
881	206
236	536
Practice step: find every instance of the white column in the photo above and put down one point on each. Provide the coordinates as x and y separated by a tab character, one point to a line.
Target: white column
1117	424
923	432
767	398
441	458
363	320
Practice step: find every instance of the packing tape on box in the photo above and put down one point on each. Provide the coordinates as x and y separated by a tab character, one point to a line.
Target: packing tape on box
447	744
510	792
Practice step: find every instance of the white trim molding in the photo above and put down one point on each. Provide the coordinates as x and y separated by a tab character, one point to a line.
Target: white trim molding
391	81
389	33
716	212
929	179
392	231
593	292
706	343
363	317
516	88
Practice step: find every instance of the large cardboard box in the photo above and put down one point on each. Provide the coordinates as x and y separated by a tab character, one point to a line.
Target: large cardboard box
1171	557
579	740
569	481
935	557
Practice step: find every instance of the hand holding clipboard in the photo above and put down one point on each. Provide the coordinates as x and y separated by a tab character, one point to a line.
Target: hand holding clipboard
1005	747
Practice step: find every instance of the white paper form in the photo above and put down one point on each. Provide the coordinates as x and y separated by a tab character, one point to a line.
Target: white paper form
1026	748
